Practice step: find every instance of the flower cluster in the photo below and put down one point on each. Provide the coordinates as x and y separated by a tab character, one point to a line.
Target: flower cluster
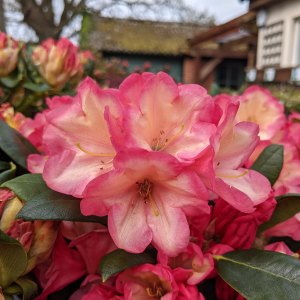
170	170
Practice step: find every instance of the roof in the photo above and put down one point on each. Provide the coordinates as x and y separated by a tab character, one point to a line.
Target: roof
141	37
219	31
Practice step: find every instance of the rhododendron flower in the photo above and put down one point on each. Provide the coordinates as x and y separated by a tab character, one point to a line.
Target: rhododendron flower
258	105
9	50
237	229
57	61
9	116
233	144
290	228
190	266
92	288
161	116
62	268
147	198
187	291
77	137
280	247
37	237
147	282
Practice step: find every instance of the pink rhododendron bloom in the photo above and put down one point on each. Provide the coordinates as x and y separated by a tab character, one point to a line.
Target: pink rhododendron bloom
258	105
190	266
237	229
147	198
9	51
57	61
86	56
92	246
92	288
279	247
77	137
188	292
64	267
163	116
9	116
294	129
147	282
233	144
290	228
225	291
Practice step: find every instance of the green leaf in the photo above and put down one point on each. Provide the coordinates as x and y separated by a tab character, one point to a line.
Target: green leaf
27	186
287	206
13	260
43	203
10	81
39	88
269	163
261	275
15	145
119	260
8	174
29	287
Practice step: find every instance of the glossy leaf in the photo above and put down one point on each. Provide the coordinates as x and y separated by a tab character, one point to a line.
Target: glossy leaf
119	260
29	288
287	206
13	260
9	173
269	163
39	88
43	203
15	145
261	275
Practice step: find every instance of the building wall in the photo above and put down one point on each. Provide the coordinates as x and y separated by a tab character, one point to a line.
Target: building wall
287	12
172	64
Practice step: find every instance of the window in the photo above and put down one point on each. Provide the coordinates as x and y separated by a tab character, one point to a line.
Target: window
272	43
296	50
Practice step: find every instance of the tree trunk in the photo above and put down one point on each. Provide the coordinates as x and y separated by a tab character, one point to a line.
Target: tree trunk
2	17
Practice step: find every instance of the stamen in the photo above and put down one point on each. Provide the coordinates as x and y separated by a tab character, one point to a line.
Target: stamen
154	207
94	154
173	138
232	176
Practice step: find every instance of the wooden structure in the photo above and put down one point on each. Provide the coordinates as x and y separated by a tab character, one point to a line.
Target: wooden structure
221	54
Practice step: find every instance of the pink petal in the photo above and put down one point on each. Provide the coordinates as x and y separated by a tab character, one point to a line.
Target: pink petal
128	227
69	172
169	225
242	188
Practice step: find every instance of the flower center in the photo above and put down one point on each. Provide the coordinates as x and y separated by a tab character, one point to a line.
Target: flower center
145	189
164	141
155	291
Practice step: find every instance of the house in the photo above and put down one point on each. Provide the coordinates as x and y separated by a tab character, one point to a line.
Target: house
278	47
221	54
162	45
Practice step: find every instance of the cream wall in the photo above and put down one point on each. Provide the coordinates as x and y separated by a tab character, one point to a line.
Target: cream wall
287	11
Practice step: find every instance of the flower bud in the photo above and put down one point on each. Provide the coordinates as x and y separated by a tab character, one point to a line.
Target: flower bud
58	61
9	49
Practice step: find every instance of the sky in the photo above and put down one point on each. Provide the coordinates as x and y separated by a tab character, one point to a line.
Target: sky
223	10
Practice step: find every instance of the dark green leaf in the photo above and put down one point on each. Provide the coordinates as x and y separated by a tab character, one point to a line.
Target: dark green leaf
10	81
15	145
8	174
39	88
27	186
13	260
261	275
269	163
13	289
4	165
119	260
29	287
43	203
287	206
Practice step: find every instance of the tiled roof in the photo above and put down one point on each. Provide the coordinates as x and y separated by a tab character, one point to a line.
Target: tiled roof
141	37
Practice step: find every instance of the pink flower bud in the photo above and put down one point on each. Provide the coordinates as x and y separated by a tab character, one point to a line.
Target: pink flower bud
58	61
9	50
